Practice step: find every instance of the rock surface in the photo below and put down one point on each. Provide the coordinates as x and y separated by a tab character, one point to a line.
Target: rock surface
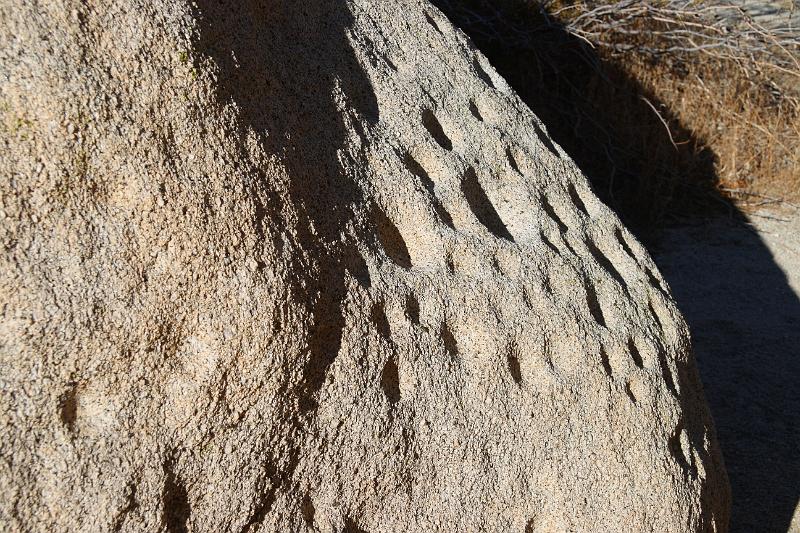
312	266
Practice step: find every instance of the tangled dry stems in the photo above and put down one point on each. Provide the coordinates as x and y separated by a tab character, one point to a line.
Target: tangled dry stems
671	107
730	79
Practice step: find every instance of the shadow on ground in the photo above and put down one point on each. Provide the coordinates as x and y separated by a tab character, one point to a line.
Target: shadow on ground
745	322
743	313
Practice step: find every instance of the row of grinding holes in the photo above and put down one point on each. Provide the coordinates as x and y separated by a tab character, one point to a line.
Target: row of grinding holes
392	240
638	361
484	211
390	382
654	281
602	259
484	76
477	67
666	373
474	193
676	446
487	215
390	374
476	197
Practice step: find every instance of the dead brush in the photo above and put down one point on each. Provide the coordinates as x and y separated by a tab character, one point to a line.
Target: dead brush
731	80
672	108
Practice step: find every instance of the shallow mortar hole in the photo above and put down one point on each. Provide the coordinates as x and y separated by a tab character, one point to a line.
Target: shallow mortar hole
475	111
547	284
392	240
68	407
679	448
548	208
630	393
605	361
378	317
655	315
450	344
308	510
513	367
482	74
667	374
549	243
175	500
390	380
654	281
449	264
624	243
325	339
512	161
434	127
546	140
419	171
357	266
412	309
594	304
635	355
576	199
389	63
432	22
607	265
482	207
442	213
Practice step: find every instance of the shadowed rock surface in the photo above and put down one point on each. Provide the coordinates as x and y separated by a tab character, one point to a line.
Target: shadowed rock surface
313	266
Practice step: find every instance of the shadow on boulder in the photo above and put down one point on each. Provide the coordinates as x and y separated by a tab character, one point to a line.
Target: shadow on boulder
291	72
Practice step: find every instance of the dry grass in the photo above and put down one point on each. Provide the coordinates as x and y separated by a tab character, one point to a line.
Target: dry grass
672	108
730	80
753	132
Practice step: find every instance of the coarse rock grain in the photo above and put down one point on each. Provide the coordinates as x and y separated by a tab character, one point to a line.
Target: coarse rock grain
313	266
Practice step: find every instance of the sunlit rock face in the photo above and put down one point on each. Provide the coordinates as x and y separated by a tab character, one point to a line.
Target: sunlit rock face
313	266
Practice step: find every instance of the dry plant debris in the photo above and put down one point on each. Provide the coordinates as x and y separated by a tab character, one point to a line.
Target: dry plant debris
673	108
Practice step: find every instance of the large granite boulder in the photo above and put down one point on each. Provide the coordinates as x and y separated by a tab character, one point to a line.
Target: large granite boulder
313	266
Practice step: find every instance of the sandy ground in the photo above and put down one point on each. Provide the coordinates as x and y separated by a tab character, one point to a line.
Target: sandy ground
773	14
739	287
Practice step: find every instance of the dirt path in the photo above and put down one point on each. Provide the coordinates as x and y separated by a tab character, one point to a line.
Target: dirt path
739	288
